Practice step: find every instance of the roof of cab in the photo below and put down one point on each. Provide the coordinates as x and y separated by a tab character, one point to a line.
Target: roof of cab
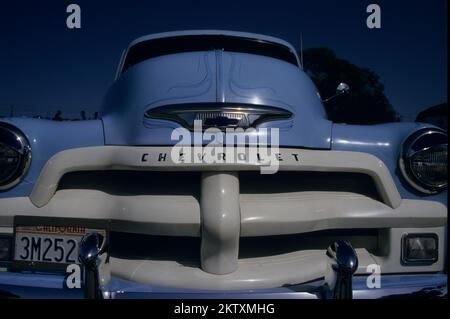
214	32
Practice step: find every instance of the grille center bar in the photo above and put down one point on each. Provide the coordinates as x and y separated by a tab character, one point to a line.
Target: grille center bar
220	222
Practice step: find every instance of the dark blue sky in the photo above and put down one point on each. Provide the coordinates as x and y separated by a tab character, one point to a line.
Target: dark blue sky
44	66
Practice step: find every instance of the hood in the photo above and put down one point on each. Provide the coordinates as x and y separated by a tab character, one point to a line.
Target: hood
213	77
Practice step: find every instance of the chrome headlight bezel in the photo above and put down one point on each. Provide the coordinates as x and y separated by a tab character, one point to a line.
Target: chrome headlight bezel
421	141
13	139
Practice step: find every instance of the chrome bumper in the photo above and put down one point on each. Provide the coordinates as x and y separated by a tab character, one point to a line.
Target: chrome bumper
43	286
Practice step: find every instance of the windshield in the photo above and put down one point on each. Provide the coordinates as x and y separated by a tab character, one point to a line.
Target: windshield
163	46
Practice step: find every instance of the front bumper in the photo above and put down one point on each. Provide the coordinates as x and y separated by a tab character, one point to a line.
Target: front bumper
49	286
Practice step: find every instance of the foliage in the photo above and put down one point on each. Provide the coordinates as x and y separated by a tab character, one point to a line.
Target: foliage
365	104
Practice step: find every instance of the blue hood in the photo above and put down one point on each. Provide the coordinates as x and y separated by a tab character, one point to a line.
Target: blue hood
213	77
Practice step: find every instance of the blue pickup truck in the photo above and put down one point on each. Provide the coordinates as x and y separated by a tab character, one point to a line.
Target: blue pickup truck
122	206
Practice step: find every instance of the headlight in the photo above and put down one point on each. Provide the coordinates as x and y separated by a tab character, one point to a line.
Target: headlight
424	160
15	156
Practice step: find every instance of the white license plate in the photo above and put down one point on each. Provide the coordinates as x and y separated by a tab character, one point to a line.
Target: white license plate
49	244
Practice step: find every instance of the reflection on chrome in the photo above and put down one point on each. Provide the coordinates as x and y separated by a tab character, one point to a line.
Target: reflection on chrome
341	141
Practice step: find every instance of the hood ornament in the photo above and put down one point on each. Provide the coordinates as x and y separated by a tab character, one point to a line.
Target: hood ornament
218	115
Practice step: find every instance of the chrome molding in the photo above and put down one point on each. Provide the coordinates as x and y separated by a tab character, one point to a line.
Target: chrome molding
91	247
343	262
218	115
408	151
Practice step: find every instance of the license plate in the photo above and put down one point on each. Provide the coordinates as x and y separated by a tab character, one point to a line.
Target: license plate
49	244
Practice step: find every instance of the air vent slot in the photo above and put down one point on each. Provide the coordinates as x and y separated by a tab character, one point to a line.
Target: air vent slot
264	246
186	250
283	182
131	183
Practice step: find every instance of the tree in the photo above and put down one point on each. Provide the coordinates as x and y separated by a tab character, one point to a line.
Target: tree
365	104
58	116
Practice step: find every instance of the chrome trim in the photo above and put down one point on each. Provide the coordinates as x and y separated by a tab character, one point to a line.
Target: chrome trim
392	287
343	262
28	285
238	115
342	88
407	152
22	147
91	247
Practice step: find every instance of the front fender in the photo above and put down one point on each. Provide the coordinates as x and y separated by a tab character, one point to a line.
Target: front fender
48	138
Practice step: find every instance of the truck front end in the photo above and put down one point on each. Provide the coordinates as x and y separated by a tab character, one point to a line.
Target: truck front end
214	172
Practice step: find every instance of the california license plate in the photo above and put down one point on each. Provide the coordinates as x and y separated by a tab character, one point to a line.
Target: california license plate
49	244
